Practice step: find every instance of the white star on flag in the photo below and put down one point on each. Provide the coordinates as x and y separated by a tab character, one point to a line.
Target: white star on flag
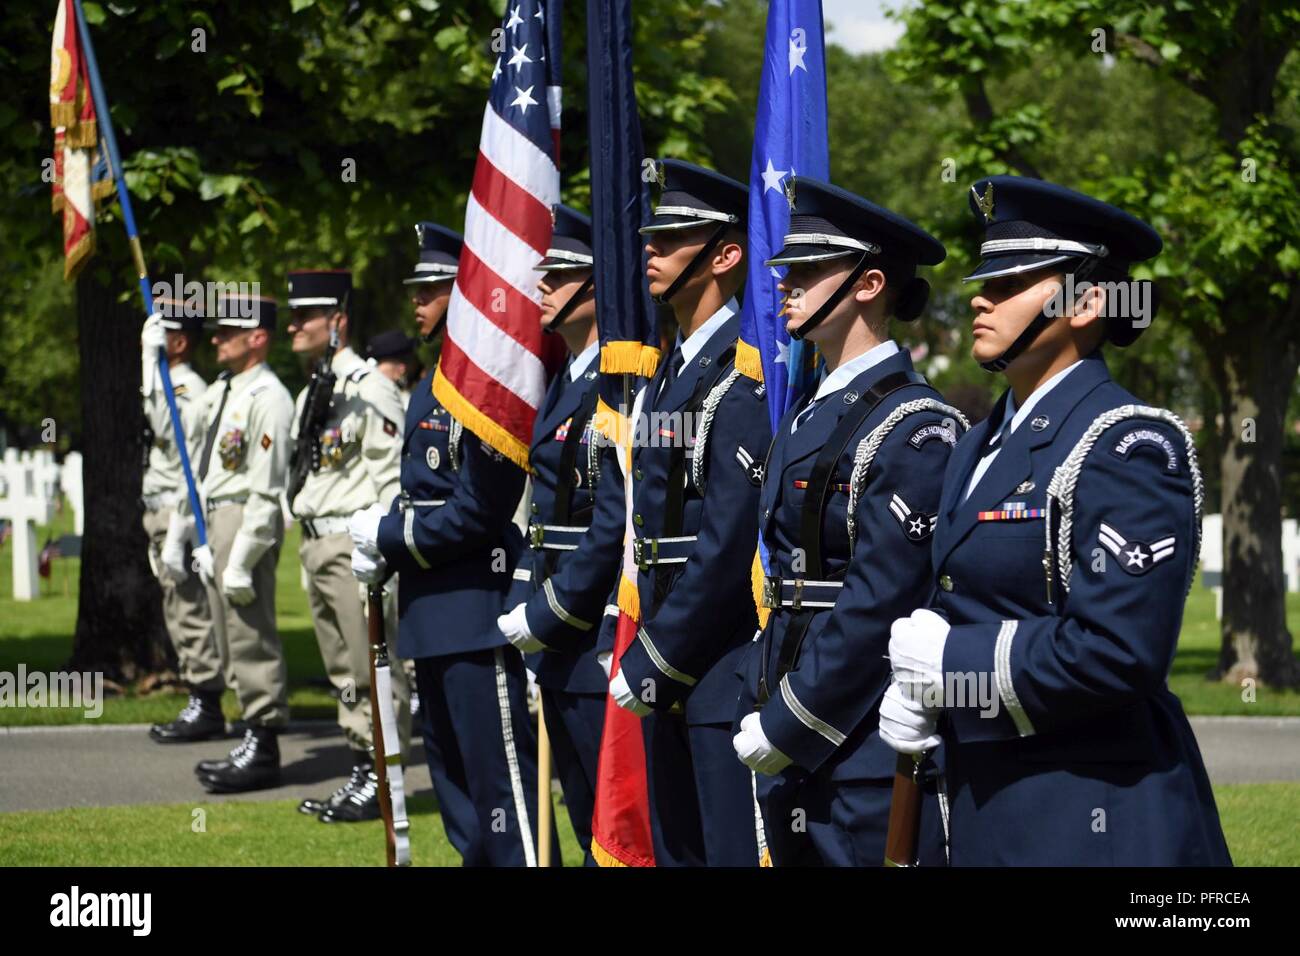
520	58
796	57
772	176
539	15
782	351
515	19
775	274
524	99
496	68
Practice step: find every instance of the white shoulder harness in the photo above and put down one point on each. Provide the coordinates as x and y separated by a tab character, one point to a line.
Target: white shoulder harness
454	433
869	446
1066	478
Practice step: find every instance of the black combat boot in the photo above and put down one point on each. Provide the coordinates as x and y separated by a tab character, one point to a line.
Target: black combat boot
200	720
361	765
361	804
253	765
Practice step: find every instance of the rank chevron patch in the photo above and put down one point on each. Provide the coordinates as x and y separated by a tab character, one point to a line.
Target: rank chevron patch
1135	557
917	525
753	469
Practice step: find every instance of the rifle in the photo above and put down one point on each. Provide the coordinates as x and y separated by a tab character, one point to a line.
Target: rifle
388	748
904	812
315	409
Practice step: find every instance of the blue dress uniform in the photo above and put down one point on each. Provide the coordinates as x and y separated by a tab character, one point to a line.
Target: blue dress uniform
694	517
451	538
1063	575
570	568
872	445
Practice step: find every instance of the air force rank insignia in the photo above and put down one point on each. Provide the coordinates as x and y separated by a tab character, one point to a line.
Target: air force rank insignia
1135	557
917	525
985	202
753	469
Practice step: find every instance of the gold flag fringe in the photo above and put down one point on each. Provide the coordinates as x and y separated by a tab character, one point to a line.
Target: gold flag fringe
463	410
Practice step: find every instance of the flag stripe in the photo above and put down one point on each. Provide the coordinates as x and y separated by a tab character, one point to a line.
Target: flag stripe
500	404
514	366
496	300
516	159
497	247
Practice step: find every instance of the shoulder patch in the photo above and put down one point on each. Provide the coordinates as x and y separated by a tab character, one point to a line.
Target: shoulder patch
760	390
390	428
944	431
917	526
1135	557
357	374
266	441
752	467
1137	437
257	390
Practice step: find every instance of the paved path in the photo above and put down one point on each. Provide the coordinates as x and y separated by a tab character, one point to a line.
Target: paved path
43	768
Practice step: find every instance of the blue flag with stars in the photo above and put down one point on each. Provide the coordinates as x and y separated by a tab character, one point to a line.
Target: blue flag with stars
789	139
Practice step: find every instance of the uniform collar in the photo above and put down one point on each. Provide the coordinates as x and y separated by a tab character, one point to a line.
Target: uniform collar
848	371
695	342
1019	414
582	361
247	377
345	360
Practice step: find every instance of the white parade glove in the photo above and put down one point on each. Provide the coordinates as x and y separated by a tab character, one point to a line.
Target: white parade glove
606	661
368	567
364	528
624	697
204	564
152	337
755	750
237	578
180	531
916	646
905	725
514	626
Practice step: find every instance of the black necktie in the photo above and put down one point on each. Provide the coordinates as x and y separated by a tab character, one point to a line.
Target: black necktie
212	432
675	363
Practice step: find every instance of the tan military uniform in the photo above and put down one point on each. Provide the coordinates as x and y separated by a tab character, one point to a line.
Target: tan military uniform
246	474
360	464
185	604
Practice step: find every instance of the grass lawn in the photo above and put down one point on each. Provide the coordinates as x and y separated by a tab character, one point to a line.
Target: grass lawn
234	834
1258	819
39	635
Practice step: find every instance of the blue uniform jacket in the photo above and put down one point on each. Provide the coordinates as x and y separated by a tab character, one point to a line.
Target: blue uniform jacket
824	714
565	613
689	644
1089	758
455	558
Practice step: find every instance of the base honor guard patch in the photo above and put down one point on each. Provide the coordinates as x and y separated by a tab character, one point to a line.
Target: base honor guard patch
1147	436
917	525
1012	511
1135	557
946	433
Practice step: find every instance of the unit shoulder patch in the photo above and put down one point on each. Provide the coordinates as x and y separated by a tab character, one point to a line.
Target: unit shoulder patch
1147	436
1135	557
944	431
390	427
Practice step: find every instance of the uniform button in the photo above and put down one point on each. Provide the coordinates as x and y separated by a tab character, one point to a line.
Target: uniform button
534	506
636	473
638	520
945	582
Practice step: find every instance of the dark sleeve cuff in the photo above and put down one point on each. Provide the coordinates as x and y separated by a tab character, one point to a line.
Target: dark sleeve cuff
984	706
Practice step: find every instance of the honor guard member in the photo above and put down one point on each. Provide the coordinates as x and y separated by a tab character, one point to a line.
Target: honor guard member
452	538
185	601
849	498
695	508
393	354
1068	536
562	585
347	448
241	473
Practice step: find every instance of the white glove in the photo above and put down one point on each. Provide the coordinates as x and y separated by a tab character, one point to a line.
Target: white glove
606	661
368	567
237	578
755	750
514	626
364	528
905	725
180	530
916	646
204	564
152	338
624	697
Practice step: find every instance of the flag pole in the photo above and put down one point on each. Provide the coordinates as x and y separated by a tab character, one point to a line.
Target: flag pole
133	238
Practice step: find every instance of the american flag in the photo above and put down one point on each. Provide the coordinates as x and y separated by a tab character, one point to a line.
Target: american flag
492	373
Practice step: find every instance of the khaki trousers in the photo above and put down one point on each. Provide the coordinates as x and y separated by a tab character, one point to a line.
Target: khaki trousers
185	611
247	635
339	613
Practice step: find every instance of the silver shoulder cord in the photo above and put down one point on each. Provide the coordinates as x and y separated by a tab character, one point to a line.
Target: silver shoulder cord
869	446
453	443
1066	478
707	411
593	454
